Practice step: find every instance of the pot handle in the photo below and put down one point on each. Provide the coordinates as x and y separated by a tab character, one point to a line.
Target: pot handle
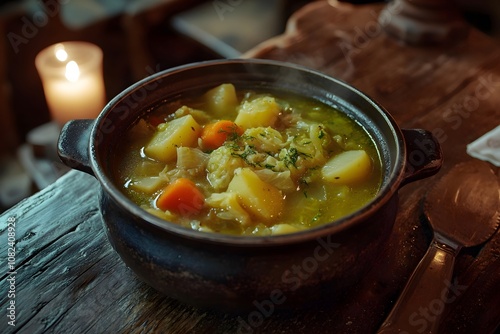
423	155
73	144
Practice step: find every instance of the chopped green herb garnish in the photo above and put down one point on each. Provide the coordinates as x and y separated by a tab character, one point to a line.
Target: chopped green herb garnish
292	156
321	133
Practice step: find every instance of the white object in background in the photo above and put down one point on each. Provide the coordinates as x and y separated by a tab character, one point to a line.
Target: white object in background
487	147
80	14
231	28
72	79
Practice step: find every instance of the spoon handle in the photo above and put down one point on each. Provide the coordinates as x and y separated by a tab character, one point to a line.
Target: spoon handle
424	297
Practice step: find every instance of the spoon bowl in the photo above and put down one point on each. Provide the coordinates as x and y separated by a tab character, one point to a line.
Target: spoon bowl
463	210
463	206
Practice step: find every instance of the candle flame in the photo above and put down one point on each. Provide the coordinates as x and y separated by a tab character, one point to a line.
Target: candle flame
60	53
72	71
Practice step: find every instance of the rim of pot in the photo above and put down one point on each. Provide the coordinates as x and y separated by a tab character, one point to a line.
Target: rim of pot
392	174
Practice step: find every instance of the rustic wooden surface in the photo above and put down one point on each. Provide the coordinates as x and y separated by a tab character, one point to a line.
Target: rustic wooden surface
69	280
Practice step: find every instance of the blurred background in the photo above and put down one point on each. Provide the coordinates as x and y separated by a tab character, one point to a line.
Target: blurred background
138	38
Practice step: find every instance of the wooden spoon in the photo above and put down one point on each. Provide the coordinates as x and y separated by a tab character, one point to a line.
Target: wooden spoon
463	210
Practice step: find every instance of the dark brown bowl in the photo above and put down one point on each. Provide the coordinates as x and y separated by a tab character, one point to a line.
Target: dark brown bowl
236	273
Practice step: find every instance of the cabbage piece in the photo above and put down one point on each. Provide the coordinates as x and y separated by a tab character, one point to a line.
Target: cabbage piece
147	184
281	180
264	139
228	207
221	166
191	158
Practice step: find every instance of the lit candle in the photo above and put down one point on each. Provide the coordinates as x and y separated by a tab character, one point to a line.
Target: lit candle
73	84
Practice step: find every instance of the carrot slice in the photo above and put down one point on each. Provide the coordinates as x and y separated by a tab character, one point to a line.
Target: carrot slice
181	197
215	134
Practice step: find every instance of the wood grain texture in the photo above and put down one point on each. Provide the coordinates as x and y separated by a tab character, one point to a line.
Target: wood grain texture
452	91
69	280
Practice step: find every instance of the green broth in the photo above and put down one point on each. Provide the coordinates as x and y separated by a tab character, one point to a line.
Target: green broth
308	199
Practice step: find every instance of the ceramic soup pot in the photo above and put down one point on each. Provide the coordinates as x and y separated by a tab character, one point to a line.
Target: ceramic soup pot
234	272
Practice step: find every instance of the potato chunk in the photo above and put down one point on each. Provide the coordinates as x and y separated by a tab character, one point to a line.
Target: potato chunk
183	131
262	111
259	198
222	100
347	167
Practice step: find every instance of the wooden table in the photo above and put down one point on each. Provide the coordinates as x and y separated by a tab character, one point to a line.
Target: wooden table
69	280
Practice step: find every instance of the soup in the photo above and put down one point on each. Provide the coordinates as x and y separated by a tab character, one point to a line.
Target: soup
248	163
